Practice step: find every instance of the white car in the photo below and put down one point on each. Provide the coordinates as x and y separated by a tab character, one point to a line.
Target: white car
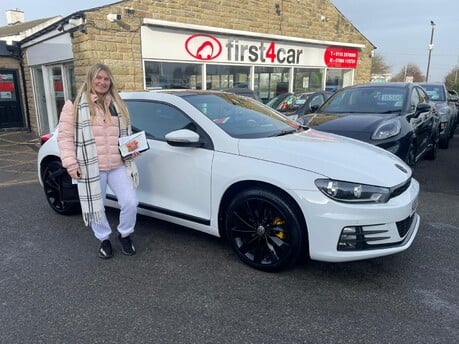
234	168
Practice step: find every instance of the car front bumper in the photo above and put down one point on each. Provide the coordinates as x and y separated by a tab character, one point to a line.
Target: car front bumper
340	232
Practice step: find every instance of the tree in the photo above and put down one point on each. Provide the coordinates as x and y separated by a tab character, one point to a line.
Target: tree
379	65
410	70
452	79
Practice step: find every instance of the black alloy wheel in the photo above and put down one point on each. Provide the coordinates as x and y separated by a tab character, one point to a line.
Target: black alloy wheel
264	230
51	186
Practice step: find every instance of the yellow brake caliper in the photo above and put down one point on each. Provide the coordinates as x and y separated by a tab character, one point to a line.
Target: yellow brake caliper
279	222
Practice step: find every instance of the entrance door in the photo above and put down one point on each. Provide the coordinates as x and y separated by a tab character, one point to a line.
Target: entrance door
11	115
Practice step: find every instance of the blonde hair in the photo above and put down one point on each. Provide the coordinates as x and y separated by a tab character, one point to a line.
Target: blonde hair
87	90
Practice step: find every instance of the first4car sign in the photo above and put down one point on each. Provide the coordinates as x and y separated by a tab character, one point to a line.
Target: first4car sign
204	47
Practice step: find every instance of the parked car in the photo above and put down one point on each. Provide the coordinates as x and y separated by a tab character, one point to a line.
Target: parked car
454	97
232	167
281	101
307	102
395	116
246	92
446	108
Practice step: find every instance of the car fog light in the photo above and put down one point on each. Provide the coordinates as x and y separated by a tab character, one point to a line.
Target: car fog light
349	238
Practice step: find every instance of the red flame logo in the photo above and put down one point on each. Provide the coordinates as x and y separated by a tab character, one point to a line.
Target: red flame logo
203	47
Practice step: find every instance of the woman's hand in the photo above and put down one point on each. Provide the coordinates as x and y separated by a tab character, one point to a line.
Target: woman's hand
75	174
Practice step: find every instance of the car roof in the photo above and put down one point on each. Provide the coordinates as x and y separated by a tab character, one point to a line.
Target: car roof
237	90
406	85
175	92
436	83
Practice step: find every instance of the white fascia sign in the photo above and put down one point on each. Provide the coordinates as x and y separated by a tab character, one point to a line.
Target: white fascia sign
177	44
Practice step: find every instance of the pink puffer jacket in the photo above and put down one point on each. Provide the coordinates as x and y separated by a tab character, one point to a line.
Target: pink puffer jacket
105	134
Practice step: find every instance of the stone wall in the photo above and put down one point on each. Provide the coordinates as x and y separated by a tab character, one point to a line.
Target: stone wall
118	43
33	124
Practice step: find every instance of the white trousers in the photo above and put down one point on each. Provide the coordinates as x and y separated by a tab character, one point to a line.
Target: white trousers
121	185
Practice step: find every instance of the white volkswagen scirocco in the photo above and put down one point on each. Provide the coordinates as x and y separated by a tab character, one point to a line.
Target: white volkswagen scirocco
231	167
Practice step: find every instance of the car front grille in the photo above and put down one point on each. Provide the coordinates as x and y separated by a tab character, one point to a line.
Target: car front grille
404	226
358	238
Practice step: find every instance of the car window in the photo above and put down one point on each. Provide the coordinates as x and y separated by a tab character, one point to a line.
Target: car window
241	117
367	100
300	99
435	92
157	119
317	100
423	97
277	100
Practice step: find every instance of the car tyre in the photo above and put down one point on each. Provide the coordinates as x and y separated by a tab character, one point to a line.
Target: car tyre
444	142
264	230
432	153
52	190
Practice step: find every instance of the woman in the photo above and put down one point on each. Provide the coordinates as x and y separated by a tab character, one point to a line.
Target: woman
88	137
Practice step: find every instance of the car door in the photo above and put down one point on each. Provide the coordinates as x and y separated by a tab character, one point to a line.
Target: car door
422	122
170	175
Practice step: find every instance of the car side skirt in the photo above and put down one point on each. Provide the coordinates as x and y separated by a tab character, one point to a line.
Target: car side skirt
168	212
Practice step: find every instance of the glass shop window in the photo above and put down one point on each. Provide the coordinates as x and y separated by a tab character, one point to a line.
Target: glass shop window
172	75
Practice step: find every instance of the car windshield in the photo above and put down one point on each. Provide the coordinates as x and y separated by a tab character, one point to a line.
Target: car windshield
302	98
277	100
385	99
435	92
241	117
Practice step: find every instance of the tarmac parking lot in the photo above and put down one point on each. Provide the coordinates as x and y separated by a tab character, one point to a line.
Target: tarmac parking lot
18	158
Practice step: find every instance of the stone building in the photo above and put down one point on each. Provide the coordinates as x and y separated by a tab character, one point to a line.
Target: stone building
13	98
269	46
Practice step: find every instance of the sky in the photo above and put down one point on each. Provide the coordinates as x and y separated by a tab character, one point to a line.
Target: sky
400	29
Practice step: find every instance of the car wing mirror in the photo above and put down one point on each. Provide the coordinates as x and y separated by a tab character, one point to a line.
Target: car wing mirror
314	108
183	138
423	107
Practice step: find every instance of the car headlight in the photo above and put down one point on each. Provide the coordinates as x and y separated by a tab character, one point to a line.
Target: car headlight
353	192
443	110
387	129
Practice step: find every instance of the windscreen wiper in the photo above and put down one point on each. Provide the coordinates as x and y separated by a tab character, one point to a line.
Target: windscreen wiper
392	111
286	132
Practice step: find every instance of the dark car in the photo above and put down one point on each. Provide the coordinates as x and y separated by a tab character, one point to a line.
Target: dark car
281	101
395	116
446	107
307	102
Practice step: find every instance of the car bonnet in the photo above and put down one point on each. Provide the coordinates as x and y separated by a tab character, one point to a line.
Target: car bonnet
359	126
330	155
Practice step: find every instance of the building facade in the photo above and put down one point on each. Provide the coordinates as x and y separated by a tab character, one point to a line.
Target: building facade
13	98
269	46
